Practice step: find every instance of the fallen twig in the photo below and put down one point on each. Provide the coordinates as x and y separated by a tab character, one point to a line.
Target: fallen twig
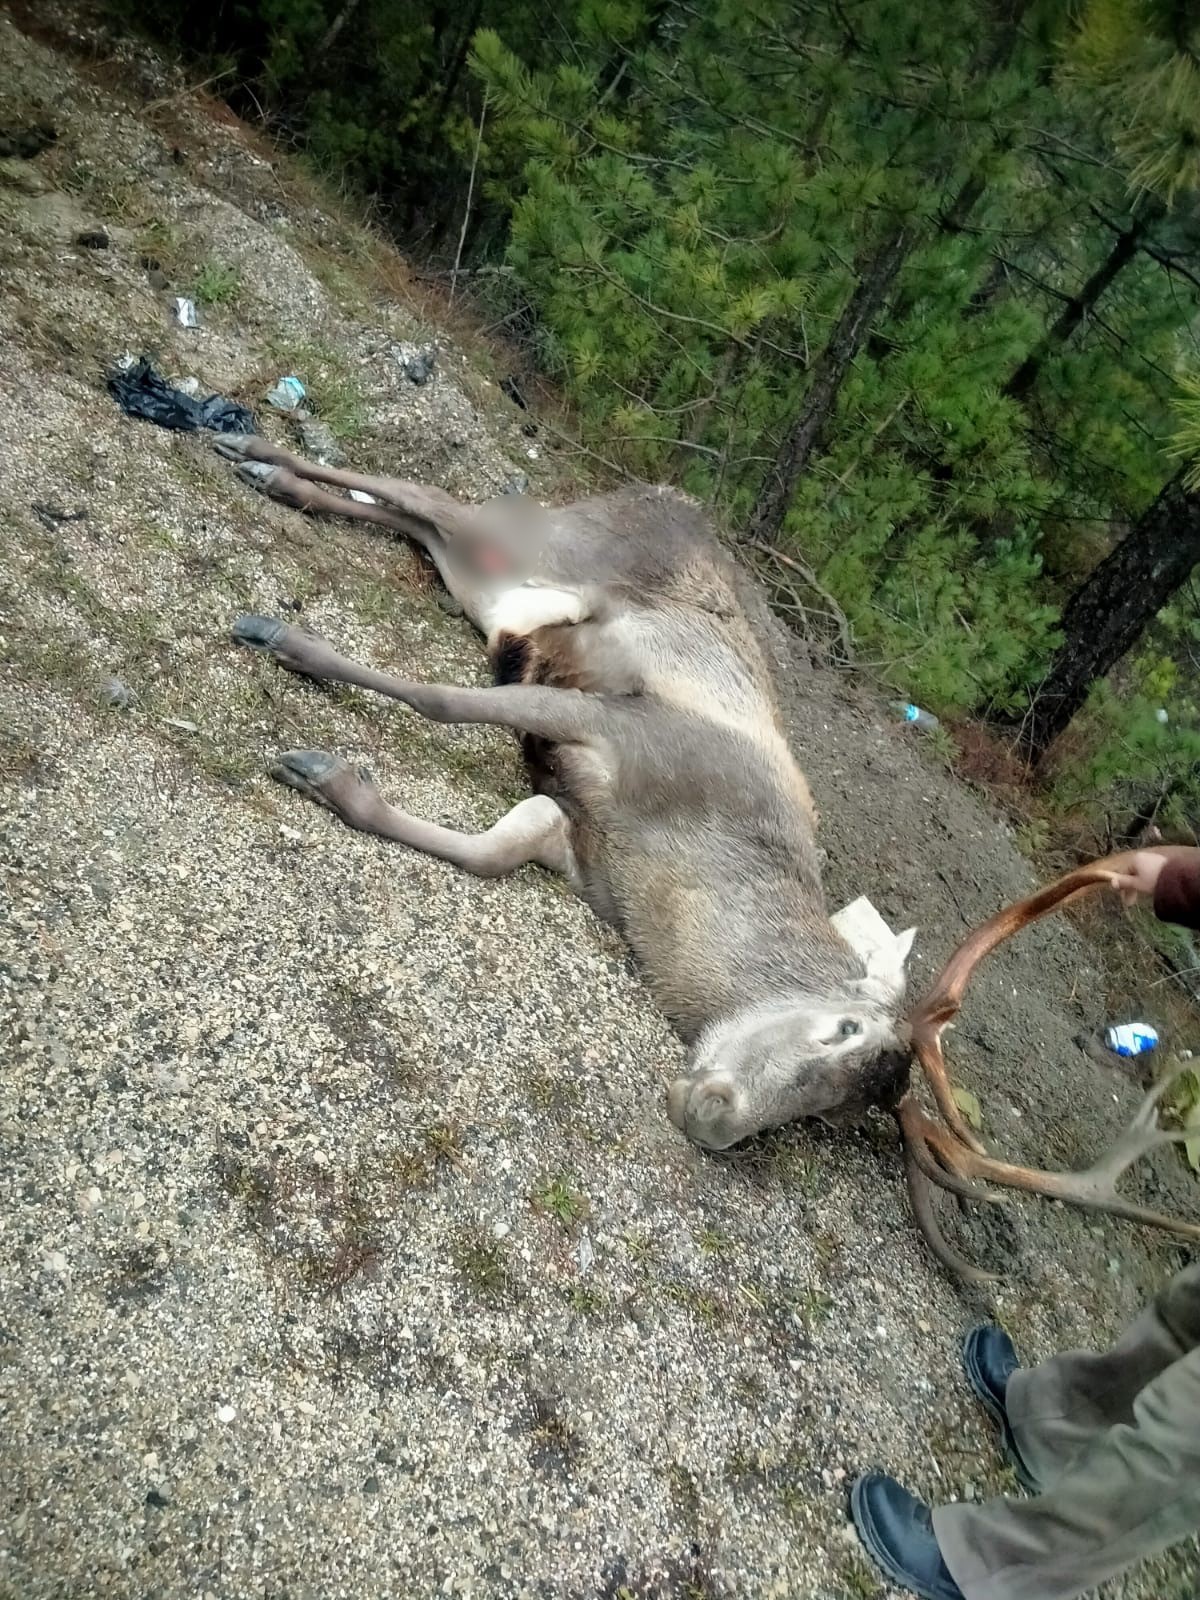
835	612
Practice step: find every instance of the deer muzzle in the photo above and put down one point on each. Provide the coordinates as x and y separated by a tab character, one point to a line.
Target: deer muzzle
704	1107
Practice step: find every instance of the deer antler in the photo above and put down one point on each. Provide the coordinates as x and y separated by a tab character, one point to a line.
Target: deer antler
947	1154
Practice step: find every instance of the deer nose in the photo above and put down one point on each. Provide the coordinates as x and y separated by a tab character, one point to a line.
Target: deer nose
702	1107
677	1101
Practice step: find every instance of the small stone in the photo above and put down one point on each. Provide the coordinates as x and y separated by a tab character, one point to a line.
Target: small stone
501	1230
226	1413
157	1500
418	369
56	1262
117	693
517	484
306	1408
371	1485
587	1254
924	1327
25	143
319	443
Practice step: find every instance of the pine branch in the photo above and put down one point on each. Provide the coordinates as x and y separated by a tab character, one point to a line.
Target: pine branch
677	316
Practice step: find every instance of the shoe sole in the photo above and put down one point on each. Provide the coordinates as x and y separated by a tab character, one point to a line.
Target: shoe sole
999	1416
866	1533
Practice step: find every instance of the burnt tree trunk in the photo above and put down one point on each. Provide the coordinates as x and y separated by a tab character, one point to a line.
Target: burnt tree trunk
1114	606
876	277
1075	310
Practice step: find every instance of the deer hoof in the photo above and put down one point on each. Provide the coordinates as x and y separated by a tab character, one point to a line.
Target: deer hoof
306	769
329	780
235	446
294	648
260	633
258	474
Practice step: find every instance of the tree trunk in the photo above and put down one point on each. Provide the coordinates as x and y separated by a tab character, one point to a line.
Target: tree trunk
988	292
468	23
876	277
334	28
1076	309
1114	606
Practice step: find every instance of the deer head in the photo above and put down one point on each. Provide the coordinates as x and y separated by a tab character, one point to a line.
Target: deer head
828	1048
941	1150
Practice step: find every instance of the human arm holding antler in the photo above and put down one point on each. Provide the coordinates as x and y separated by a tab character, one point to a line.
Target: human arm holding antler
942	1152
1171	883
1107	1442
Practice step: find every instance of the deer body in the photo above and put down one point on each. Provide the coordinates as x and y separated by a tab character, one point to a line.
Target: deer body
664	787
665	791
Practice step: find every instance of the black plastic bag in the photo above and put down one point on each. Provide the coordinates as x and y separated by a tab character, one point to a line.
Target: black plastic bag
142	392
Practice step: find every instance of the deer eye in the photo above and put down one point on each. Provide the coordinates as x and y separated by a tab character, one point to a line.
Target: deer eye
847	1028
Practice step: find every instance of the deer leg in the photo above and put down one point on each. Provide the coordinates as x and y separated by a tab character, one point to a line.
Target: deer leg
475	594
565	716
534	831
471	560
284	483
250	451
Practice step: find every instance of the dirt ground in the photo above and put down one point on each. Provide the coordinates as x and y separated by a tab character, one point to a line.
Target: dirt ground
345	1247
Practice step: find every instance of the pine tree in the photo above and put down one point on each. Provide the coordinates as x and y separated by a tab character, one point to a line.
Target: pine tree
908	303
1140	64
1109	612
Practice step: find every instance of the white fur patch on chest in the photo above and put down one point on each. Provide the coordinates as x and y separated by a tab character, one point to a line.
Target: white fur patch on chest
523	610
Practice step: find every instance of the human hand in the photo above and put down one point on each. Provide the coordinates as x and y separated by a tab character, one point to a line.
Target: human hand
1141	879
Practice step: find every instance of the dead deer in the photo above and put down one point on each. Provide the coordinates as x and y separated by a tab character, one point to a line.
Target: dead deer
665	792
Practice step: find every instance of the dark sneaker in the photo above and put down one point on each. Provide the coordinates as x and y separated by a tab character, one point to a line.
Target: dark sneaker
989	1361
897	1530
